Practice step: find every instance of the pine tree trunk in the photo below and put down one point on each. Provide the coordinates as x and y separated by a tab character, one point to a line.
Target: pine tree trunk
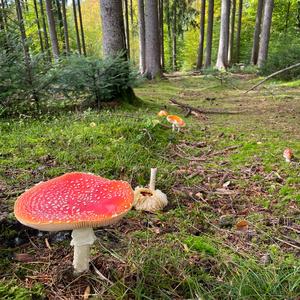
222	60
161	25
231	36
141	17
153	67
201	40
174	37
66	31
37	20
127	27
238	32
47	47
76	26
168	12
113	27
27	58
52	29
60	21
2	25
81	28
209	33
257	30
287	16
265	33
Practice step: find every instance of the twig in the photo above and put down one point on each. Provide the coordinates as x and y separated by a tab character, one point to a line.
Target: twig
273	75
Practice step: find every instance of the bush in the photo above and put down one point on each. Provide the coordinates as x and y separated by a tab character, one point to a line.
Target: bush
97	79
284	53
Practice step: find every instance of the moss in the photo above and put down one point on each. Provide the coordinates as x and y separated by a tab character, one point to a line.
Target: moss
201	244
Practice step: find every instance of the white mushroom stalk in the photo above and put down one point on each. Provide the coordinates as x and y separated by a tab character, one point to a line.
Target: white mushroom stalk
82	239
149	199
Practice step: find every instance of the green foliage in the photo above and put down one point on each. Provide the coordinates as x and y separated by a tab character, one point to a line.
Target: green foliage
94	78
11	291
200	244
282	55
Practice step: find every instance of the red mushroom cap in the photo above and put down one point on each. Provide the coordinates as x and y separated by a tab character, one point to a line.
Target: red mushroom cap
176	120
288	153
74	200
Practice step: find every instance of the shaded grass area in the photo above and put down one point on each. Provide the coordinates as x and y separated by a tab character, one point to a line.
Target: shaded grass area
220	171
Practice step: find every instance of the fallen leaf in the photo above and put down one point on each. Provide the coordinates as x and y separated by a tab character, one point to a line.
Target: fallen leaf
87	293
23	257
242	225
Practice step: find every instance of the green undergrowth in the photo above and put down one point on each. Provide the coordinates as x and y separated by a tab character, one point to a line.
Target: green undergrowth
182	252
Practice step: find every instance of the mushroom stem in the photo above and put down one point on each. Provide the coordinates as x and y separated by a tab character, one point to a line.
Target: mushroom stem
152	179
173	127
82	239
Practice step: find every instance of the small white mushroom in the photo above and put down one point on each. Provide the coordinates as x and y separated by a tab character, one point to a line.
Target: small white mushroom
150	199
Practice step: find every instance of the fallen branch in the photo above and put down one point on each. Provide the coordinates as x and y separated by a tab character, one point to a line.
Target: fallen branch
201	111
273	75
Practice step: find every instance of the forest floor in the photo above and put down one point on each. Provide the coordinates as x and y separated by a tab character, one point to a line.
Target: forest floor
231	229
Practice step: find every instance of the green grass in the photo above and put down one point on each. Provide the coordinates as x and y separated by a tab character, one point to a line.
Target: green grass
182	252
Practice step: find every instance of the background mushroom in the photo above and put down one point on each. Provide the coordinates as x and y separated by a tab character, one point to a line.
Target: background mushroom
288	154
162	113
176	122
150	199
75	201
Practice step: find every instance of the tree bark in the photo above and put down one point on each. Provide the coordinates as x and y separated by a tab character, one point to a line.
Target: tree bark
265	33
66	31
60	21
169	31
37	20
201	39
47	47
209	33
127	28
161	26
141	17
76	26
287	16
257	30
113	33
52	29
174	37
231	36
238	32
153	67
81	28
222	60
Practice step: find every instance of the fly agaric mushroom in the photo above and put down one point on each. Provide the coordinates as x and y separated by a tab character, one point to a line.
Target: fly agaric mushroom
75	201
176	122
150	199
288	154
162	113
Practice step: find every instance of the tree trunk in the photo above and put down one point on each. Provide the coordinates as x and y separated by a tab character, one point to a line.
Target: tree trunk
174	37
169	31
113	33
255	47
141	17
60	21
27	58
76	26
2	25
209	33
127	28
287	16
161	26
222	60
52	29
153	67
37	20
81	28
231	36
238	32
201	40
265	33
47	47
66	31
